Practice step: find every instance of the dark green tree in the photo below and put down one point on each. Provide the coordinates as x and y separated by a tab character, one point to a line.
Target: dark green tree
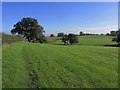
52	35
107	34
118	37
29	29
81	33
72	38
65	39
60	34
113	33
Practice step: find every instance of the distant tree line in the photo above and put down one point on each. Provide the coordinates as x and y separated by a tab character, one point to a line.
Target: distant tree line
112	33
84	34
61	34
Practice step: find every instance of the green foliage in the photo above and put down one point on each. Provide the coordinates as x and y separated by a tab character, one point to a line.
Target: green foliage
81	33
118	37
72	38
7	39
65	39
60	34
52	35
30	29
107	34
113	33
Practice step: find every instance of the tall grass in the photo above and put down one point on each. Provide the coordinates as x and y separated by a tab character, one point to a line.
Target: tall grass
7	39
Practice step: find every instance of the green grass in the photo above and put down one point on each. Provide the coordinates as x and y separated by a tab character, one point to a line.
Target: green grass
0	67
58	66
52	39
8	39
94	40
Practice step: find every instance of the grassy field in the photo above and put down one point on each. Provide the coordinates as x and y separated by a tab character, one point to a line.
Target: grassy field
98	40
0	67
52	39
86	65
7	38
95	40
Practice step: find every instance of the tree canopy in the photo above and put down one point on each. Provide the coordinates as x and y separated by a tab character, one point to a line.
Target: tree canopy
52	35
118	37
30	29
71	38
81	33
60	34
65	39
113	33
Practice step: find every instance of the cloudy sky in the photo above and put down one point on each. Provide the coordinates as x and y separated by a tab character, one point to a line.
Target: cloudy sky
67	17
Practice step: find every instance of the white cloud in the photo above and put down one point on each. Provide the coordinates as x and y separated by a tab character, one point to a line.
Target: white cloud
95	30
100	29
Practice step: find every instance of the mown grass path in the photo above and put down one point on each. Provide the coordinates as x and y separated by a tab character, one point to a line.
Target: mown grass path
32	76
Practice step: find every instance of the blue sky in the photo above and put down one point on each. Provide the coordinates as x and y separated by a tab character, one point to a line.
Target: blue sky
67	17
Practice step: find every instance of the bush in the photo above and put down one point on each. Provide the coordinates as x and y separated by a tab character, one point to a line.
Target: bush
6	38
71	38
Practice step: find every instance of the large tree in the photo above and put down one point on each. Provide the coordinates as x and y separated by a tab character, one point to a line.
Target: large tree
30	29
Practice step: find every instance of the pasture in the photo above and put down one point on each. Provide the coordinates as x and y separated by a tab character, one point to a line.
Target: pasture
89	64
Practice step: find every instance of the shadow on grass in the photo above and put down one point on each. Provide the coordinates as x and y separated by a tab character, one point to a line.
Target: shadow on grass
112	45
107	45
62	44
